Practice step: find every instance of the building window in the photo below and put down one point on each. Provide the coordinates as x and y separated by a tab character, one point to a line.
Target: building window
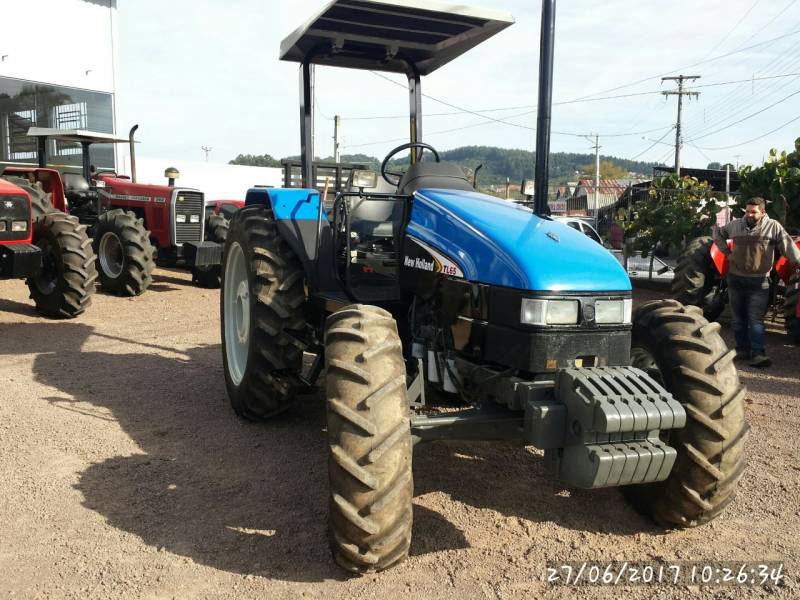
69	116
18	146
24	104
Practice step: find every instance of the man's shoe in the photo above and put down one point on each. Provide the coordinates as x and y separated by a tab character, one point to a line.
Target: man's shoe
742	355
760	361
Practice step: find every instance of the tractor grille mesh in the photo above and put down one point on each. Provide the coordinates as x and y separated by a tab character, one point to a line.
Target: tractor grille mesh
188	204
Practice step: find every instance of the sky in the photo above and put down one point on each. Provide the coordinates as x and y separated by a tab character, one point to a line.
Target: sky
199	73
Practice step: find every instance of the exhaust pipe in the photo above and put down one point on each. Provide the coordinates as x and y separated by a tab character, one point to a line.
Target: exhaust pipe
132	145
546	54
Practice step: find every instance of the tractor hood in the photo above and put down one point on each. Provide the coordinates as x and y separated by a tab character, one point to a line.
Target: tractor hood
497	242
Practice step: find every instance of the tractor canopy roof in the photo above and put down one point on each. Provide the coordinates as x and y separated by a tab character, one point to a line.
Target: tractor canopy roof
389	35
76	135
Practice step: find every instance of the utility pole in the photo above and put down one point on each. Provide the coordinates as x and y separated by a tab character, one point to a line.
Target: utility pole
206	149
336	153
680	93
596	175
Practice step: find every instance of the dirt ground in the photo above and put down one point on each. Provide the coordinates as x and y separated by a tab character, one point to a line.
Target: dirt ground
124	474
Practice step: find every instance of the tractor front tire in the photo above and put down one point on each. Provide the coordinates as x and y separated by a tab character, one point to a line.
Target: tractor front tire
369	435
124	253
262	315
790	307
681	349
697	281
216	231
63	286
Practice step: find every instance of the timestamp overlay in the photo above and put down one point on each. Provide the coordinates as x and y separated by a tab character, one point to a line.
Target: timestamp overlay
747	573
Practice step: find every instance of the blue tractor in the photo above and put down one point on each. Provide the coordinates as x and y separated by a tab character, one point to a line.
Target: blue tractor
410	291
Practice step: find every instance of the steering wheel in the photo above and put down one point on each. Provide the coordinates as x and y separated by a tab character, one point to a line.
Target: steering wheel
385	174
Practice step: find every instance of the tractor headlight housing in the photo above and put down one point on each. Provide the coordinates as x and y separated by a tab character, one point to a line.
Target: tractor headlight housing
613	312
2	226
17	226
540	311
180	218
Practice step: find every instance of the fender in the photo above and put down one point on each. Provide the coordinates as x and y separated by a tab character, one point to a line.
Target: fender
303	224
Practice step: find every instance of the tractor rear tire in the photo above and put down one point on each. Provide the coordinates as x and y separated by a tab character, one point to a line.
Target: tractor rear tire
371	485
62	288
262	316
697	281
124	253
790	302
681	349
216	231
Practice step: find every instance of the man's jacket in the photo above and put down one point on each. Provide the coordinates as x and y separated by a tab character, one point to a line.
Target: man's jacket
754	249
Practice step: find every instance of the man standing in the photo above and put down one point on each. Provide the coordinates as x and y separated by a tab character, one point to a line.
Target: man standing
756	237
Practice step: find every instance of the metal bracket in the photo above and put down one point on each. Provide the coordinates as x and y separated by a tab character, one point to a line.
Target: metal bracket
416	391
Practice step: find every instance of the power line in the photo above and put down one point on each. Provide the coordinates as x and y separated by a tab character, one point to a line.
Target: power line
565	102
680	93
735	27
774	104
721	56
654	144
755	139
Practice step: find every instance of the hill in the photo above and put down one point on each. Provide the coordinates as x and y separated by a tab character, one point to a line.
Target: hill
498	163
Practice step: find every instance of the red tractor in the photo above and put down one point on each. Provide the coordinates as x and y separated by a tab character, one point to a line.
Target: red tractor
700	280
134	226
46	247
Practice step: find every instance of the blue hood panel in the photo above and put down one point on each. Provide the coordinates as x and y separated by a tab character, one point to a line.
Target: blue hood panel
500	243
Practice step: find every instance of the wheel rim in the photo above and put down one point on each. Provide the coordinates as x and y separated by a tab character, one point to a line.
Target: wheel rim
111	255
236	313
48	274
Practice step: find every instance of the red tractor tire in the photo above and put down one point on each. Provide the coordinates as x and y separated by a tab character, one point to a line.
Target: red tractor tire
697	281
63	286
124	253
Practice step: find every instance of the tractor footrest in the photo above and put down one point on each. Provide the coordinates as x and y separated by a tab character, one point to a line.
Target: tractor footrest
603	427
202	254
19	260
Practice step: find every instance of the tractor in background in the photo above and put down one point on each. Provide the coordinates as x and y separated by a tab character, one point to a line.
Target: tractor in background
413	293
700	280
134	226
46	247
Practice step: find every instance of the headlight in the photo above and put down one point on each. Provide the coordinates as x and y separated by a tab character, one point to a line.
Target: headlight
19	226
549	312
2	226
180	218
607	312
194	218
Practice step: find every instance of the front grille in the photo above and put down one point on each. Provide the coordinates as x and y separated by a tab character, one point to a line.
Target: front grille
188	204
14	208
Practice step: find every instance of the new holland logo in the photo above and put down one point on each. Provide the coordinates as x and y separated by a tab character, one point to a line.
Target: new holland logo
419	263
8	204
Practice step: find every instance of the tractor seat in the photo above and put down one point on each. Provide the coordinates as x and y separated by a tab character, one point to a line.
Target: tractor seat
74	182
374	218
442	175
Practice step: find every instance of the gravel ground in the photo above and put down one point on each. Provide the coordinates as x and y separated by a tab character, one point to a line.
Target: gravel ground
124	474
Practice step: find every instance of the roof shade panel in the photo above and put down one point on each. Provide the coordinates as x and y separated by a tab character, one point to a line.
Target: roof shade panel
76	135
369	34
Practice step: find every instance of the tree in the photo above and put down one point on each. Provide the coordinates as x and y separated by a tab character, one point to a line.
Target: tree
608	170
677	210
714	166
255	160
778	181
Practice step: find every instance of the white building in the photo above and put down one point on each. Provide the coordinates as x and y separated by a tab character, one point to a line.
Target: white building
58	68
